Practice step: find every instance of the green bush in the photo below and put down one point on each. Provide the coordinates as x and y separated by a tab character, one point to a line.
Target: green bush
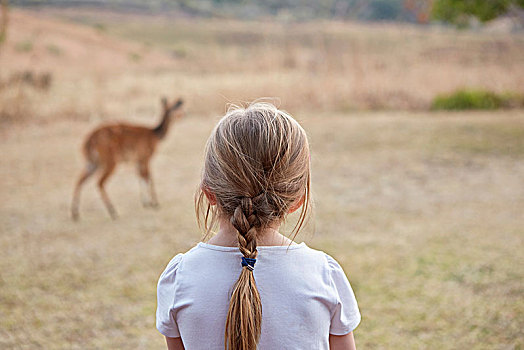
476	99
459	11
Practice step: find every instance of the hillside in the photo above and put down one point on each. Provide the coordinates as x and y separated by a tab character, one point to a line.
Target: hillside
43	43
314	66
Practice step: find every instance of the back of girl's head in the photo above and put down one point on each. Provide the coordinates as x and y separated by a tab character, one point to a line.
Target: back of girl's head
260	153
256	170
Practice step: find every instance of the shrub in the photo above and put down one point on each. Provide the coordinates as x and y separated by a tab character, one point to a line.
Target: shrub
459	11
475	99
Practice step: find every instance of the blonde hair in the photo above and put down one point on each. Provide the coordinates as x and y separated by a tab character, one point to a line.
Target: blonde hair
257	168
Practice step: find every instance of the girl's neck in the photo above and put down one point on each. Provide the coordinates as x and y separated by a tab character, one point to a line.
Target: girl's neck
227	236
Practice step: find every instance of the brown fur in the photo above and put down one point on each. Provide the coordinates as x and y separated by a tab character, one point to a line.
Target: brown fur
109	145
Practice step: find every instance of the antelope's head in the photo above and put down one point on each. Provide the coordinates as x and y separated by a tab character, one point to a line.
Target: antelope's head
172	110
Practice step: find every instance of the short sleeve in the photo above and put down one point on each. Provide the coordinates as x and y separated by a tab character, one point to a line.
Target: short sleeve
345	315
165	321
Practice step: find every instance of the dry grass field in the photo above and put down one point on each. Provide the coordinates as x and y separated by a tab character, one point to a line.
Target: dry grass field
422	209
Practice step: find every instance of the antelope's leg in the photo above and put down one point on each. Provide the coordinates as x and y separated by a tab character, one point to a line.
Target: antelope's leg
108	170
145	176
144	197
88	171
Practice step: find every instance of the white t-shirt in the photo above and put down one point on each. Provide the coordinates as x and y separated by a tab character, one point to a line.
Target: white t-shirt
304	292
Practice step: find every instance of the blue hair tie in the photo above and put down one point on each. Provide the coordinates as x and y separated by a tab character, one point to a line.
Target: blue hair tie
249	263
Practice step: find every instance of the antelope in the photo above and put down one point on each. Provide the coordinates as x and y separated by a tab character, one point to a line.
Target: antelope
106	146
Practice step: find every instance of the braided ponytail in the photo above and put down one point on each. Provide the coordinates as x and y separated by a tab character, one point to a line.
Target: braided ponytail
244	317
257	168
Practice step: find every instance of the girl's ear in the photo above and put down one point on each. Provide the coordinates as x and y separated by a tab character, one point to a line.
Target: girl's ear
297	204
209	195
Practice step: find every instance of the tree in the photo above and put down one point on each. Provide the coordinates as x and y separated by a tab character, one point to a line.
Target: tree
420	10
385	9
460	11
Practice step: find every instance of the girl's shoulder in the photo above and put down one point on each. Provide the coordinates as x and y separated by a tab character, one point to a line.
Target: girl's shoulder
328	261
296	258
176	262
300	249
171	268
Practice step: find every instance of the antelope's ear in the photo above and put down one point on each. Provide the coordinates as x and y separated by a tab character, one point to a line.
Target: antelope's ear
164	102
178	103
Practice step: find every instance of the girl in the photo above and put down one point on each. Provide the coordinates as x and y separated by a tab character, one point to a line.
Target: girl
288	296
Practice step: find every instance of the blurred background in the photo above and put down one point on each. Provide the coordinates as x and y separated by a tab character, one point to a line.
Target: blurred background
414	111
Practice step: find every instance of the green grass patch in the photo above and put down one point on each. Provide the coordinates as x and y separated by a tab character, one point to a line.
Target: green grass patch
100	27
477	99
24	46
134	57
54	50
